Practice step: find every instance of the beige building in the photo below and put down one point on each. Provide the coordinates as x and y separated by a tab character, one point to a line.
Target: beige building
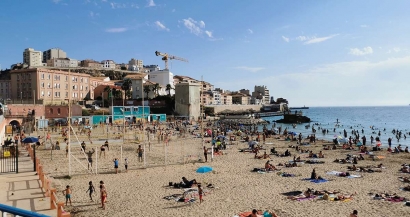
32	57
62	63
241	99
108	64
53	53
187	98
91	64
226	99
49	86
5	89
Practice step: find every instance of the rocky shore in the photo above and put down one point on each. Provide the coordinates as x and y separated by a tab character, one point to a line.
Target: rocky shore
232	120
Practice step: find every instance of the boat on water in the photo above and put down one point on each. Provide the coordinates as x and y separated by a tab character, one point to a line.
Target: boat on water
304	107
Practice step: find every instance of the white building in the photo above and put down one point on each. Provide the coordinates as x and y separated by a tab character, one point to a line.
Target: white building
150	68
62	63
53	53
135	65
32	57
108	64
163	78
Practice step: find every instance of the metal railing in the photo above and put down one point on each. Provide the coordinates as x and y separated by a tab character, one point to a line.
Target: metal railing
5	210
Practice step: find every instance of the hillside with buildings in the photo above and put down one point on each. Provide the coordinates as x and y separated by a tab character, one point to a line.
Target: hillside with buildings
52	78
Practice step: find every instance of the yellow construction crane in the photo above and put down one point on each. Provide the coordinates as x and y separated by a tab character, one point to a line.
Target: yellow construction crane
167	57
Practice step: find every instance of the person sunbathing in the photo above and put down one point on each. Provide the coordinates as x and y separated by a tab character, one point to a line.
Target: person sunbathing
405	169
265	156
269	167
305	194
405	179
321	155
352	168
344	197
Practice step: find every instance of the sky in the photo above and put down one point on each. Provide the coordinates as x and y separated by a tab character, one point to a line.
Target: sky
313	53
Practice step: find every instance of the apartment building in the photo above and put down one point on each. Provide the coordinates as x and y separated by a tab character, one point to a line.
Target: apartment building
135	65
260	95
91	64
62	63
5	89
226	99
241	99
32	57
163	77
53	53
48	86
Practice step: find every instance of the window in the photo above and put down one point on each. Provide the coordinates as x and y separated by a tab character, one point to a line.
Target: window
127	109
49	85
81	87
66	78
66	94
81	95
66	86
86	88
135	109
49	76
51	110
58	111
42	76
42	93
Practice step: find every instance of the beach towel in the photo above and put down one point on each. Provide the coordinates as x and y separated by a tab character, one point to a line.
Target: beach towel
246	214
400	199
307	198
337	173
354	176
317	181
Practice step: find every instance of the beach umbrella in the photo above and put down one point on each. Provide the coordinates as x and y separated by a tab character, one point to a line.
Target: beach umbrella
204	169
30	140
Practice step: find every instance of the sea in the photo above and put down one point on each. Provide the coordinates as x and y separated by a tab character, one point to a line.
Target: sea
380	118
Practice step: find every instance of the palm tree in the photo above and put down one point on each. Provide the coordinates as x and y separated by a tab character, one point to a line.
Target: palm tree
169	88
126	86
156	88
147	89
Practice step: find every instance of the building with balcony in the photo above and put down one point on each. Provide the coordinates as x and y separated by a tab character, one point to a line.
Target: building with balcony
48	86
241	99
226	99
260	95
32	57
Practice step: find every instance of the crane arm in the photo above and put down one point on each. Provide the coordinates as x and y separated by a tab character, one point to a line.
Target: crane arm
177	58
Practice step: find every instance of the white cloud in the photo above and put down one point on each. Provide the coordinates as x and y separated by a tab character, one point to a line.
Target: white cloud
250	69
209	34
92	14
115	5
194	26
391	76
395	50
116	30
318	40
302	38
361	52
250	31
151	3
285	39
364	26
161	26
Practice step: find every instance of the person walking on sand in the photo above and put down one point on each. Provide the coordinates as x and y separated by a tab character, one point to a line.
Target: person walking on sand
126	164
91	189
206	154
116	165
102	149
67	194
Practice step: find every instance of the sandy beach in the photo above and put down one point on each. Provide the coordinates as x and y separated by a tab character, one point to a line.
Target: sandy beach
141	191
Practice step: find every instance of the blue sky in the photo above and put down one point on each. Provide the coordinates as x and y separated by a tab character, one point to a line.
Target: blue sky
314	53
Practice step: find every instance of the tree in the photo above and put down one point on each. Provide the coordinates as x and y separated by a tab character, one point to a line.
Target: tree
156	88
169	88
147	89
126	86
123	68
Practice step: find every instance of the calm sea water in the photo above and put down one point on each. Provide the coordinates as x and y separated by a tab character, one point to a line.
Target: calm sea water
358	118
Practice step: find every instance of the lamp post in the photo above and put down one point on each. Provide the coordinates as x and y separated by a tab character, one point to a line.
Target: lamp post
143	119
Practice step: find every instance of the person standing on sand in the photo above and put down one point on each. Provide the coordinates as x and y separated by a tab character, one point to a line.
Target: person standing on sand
200	192
126	164
90	158
116	165
206	154
91	189
67	194
103	194
140	151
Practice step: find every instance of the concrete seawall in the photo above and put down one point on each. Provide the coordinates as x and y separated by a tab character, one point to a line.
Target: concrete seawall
219	108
